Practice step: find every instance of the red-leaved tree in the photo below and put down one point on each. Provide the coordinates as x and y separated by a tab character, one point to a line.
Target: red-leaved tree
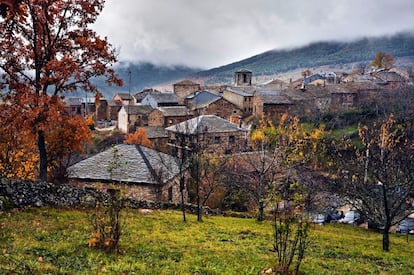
47	48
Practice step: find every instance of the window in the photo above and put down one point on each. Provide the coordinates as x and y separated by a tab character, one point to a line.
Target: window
216	140
231	139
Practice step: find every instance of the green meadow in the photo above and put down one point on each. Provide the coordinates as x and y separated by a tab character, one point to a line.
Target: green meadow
55	241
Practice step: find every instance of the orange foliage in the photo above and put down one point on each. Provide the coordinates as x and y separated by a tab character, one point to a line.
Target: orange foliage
46	49
139	137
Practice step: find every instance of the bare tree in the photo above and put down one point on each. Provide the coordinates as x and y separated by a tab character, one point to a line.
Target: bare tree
377	178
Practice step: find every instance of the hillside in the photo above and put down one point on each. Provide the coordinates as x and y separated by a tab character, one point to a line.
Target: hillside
144	75
314	55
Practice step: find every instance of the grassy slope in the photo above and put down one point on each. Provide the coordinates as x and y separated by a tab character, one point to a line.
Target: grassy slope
160	243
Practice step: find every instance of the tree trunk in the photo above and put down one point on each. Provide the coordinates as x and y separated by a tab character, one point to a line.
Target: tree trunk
42	155
386	239
260	216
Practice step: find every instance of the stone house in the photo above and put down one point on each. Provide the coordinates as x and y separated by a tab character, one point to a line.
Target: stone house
167	116
388	79
160	100
80	106
107	109
124	98
210	103
130	117
185	88
138	97
158	137
273	104
207	133
140	172
241	97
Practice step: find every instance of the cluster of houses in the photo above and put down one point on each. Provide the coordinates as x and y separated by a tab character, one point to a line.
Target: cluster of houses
218	116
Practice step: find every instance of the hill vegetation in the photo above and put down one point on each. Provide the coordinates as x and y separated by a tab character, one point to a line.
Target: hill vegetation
314	55
54	241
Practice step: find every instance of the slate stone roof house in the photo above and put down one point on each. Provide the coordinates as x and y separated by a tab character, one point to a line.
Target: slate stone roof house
108	109
185	88
272	103
160	100
132	116
142	173
124	98
208	133
138	97
241	94
210	103
167	116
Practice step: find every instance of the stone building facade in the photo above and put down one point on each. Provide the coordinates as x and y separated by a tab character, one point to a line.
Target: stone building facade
185	88
141	173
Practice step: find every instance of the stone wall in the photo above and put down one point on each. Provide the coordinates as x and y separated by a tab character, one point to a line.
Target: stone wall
20	194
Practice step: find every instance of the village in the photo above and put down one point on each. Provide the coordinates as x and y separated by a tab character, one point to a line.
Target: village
223	114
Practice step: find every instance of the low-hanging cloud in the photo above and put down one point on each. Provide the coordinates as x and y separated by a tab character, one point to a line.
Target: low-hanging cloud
211	33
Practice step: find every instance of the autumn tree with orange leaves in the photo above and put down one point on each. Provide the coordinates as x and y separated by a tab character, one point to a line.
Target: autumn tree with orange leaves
47	48
139	137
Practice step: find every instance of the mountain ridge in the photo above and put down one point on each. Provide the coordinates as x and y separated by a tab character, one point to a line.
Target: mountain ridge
313	55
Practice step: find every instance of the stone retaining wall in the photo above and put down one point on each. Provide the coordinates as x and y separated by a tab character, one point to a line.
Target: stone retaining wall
20	194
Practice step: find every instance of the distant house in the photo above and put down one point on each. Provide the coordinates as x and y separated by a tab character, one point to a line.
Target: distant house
271	103
241	93
80	106
138	97
160	100
309	79
210	103
130	117
241	97
208	133
124	98
185	88
167	116
158	136
107	109
389	79
142	173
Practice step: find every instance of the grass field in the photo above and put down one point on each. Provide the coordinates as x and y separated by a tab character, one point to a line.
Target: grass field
54	241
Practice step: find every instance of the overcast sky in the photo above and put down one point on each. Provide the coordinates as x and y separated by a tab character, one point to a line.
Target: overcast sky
211	33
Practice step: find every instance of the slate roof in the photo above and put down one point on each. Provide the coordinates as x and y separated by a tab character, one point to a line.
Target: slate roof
164	97
205	124
139	165
243	91
155	132
138	109
204	98
388	76
140	95
174	111
274	98
125	96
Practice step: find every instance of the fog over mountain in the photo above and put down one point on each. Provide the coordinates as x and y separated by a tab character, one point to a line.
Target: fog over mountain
207	34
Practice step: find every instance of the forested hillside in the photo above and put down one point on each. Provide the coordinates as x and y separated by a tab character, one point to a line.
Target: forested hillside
314	55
